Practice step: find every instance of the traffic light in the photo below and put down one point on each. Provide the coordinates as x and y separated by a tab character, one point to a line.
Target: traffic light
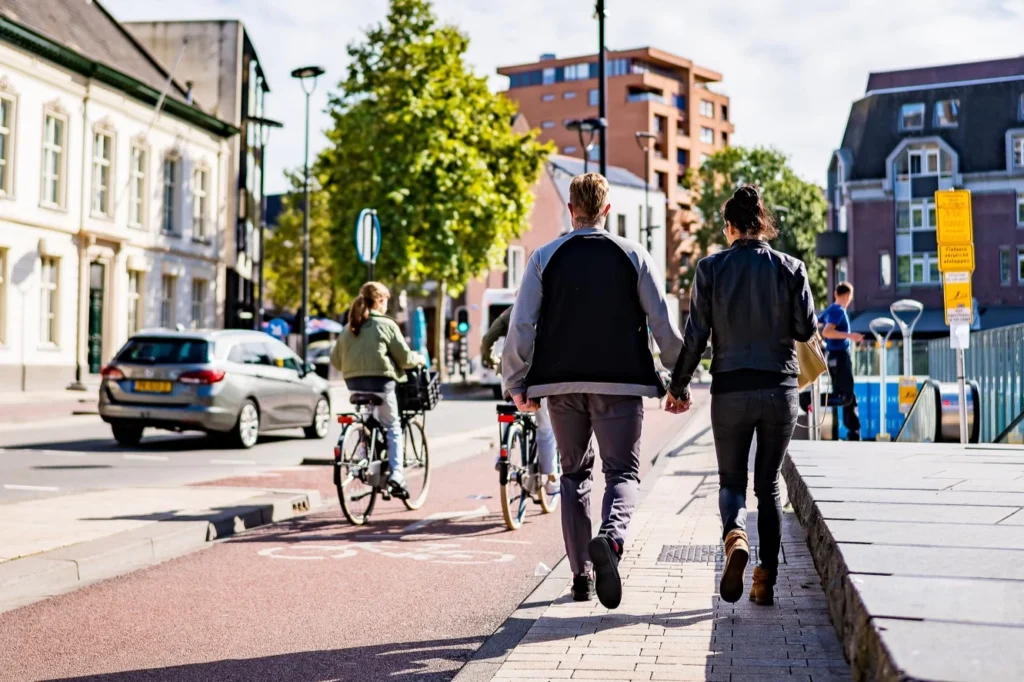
462	320
453	331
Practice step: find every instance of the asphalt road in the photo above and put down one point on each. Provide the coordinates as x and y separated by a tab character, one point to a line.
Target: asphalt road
409	597
78	453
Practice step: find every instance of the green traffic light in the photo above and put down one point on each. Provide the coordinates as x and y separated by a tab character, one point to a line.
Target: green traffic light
463	327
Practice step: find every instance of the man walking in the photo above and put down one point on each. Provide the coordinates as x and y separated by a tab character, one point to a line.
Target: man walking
837	337
579	337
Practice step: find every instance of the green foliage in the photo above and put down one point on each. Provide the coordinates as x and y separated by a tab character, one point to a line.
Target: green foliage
327	290
419	137
804	202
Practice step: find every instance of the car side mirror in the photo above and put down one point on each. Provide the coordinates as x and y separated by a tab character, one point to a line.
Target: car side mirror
309	368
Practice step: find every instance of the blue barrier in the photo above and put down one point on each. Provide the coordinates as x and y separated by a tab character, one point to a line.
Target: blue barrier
868	390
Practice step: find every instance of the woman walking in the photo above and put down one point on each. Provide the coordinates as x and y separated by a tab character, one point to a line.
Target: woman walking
754	303
371	355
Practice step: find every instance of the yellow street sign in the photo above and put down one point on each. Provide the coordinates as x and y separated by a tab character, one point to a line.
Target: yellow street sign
953	216
956	257
908	393
957	297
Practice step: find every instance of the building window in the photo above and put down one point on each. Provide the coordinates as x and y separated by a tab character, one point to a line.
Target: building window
516	266
170	194
659	151
645	95
725	112
594	153
621	225
570	94
725	139
594	97
682	158
7	109
662	179
681	181
1018	152
198	303
200	214
884	270
547	97
576	72
547	76
134	301
547	124
54	144
917	268
1020	264
707	135
1005	266
49	299
137	186
660	124
903	270
912	116
707	109
571	149
679	101
102	172
3	296
1020	210
947	113
168	283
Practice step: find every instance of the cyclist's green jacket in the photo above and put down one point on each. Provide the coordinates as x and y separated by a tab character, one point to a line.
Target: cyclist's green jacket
378	351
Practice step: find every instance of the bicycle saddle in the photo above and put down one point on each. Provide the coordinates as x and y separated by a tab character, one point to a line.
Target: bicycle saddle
365	399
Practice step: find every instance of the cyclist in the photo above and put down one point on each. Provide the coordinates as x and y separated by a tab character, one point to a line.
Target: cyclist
372	356
547	450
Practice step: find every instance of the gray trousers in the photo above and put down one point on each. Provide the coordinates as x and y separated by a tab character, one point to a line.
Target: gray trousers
616	421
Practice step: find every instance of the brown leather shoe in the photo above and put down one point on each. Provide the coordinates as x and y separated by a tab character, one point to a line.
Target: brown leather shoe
762	592
737	553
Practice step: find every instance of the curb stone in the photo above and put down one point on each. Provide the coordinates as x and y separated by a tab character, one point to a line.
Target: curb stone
39	576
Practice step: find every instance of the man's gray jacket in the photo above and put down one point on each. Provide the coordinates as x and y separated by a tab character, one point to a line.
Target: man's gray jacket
582	321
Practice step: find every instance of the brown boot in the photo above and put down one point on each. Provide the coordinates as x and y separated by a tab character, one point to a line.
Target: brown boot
737	553
762	592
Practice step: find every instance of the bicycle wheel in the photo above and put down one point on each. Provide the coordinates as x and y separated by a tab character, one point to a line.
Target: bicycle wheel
513	496
417	464
356	497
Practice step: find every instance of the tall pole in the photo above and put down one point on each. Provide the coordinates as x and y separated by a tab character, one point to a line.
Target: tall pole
647	199
263	217
305	240
602	87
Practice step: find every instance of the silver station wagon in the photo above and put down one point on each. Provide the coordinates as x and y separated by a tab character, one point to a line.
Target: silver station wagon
233	384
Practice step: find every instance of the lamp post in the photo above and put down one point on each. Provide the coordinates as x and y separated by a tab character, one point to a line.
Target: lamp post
602	87
263	127
643	140
306	74
589	127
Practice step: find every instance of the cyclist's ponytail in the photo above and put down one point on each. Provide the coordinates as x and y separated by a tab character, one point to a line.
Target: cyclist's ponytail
370	295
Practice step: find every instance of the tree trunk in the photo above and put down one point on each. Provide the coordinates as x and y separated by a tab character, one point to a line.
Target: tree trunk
440	331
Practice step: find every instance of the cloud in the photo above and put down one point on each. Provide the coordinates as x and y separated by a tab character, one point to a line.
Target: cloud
791	67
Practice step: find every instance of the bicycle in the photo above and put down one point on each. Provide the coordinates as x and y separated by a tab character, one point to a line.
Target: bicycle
518	470
361	467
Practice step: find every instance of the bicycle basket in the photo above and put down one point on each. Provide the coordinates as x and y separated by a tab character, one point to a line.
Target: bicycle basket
421	392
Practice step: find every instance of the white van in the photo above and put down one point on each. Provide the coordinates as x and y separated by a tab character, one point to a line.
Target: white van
493	304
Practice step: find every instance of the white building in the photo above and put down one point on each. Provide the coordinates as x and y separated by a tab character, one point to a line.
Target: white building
111	214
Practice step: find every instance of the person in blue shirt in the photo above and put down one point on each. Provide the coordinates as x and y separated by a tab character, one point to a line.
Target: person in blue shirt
837	337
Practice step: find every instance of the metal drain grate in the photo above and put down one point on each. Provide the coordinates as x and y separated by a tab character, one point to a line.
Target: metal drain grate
702	554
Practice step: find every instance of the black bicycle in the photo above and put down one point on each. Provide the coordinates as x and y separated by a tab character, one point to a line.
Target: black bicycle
361	467
518	470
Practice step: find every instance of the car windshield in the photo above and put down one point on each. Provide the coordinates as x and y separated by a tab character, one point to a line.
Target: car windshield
165	352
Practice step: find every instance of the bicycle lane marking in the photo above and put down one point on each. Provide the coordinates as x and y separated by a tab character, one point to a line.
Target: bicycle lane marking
434	552
446	516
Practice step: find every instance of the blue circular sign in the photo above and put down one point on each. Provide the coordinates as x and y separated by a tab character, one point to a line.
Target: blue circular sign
368	236
278	328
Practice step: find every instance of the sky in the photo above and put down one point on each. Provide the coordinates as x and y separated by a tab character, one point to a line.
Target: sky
791	67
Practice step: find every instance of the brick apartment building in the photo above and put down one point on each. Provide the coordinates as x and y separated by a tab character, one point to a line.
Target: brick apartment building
912	133
648	90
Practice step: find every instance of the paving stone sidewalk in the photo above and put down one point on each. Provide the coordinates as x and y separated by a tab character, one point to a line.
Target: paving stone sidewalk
672	625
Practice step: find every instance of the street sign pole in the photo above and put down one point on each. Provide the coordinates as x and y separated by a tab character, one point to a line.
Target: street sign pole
962	388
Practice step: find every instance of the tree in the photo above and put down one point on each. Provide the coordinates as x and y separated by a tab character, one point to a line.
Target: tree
327	287
420	138
803	204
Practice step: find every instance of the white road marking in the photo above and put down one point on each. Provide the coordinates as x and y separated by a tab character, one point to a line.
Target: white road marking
147	458
266	474
445	516
333	552
44	488
58	453
232	461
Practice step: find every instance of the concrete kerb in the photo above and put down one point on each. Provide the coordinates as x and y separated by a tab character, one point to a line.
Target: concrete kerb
495	650
868	656
42	575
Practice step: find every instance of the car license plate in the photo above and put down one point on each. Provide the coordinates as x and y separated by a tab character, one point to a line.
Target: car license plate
152	387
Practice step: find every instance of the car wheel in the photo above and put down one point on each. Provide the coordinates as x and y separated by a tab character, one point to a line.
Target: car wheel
247	428
127	435
321	425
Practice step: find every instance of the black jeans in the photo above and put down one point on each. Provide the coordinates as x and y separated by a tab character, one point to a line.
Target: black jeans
735	418
840	369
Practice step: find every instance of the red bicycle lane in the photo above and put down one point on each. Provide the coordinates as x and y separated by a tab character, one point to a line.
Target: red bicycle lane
411	595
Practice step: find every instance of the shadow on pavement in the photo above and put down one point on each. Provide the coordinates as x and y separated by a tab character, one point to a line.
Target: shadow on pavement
423	661
165	442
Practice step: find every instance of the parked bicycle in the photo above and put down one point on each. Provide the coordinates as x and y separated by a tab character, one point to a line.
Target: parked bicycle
518	470
361	466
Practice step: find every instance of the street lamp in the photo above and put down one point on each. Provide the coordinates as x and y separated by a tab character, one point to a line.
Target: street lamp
589	127
602	86
263	128
306	74
643	140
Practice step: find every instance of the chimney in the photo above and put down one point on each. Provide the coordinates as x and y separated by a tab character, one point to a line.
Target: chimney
547	56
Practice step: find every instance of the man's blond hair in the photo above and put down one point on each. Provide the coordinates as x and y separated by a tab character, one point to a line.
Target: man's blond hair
588	195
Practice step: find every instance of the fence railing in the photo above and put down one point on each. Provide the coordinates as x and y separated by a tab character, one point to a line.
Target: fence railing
996	361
